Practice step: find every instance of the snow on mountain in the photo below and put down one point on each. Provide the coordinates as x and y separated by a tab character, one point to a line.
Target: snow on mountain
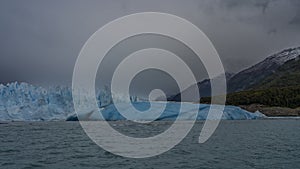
249	77
25	102
278	59
284	56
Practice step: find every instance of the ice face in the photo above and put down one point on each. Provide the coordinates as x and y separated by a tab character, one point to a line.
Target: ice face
172	108
25	102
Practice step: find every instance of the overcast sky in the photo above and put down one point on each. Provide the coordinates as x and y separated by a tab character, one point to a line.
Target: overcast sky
40	40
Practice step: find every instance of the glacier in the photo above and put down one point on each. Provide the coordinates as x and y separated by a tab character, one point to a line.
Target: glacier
25	102
171	111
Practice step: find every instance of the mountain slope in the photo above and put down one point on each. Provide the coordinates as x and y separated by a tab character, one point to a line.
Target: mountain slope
278	70
203	86
276	95
251	78
286	75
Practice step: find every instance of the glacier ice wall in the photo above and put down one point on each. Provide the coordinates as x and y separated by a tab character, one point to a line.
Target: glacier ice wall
22	101
25	102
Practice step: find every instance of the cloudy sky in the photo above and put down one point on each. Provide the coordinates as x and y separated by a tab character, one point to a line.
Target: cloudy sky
40	40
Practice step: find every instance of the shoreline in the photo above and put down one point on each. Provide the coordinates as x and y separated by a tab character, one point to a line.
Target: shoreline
272	111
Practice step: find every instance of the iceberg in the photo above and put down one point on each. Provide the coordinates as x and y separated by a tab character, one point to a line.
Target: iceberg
25	102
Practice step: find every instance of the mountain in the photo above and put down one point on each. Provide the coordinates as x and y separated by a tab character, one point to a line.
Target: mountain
276	90
281	88
272	97
278	70
203	86
264	71
286	75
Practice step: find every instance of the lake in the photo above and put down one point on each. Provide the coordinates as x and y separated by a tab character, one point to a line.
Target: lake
269	143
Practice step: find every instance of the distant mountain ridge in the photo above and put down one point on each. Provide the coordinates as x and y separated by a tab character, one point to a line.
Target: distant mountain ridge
251	77
203	86
278	70
276	91
286	75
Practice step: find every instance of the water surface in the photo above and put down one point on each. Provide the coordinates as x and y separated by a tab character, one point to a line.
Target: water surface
236	144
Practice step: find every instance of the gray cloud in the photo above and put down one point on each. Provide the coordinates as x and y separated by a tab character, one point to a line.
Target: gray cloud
40	40
296	19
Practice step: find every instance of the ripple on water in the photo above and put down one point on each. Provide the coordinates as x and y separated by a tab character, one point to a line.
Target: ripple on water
235	144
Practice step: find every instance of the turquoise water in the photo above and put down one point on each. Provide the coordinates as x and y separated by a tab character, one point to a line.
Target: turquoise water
236	144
